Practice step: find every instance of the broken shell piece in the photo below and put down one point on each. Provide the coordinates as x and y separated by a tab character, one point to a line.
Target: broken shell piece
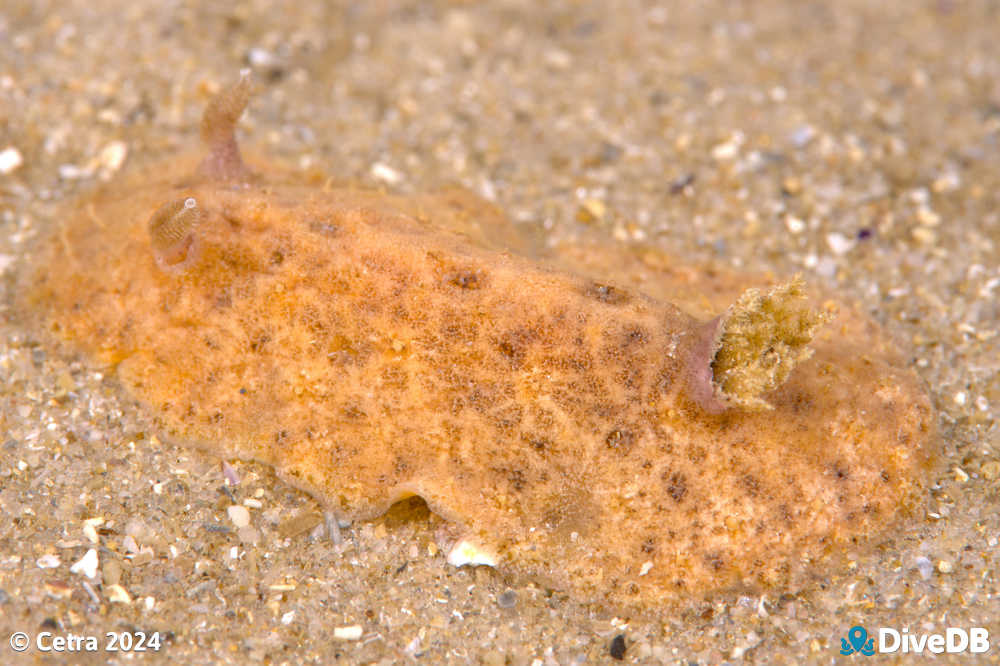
240	515
467	552
350	633
118	594
58	589
87	565
48	561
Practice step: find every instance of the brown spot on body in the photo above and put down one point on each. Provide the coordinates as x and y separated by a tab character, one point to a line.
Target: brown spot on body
676	485
750	484
620	440
469	279
606	293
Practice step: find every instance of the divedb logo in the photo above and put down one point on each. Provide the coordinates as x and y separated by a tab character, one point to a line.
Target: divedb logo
975	640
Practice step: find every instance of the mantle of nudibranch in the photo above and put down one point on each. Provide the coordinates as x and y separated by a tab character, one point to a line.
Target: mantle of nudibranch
563	417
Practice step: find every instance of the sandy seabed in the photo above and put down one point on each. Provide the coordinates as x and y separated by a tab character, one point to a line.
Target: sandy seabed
857	145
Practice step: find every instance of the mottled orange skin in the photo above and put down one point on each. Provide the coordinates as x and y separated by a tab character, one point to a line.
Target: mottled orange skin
371	347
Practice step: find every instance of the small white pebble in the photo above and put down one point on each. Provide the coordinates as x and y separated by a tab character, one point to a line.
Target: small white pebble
251	503
349	633
117	594
259	57
960	398
595	208
839	243
109	116
796	225
465	552
129	543
645	568
826	267
960	475
72	172
87	564
924	235
716	96
982	404
558	59
228	471
945	567
919	78
90	532
239	515
728	149
803	135
150	602
386	174
947	182
927	217
10	159
920	196
113	155
925	567
48	561
288	618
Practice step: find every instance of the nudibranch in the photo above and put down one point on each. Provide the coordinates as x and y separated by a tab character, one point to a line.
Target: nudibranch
568	426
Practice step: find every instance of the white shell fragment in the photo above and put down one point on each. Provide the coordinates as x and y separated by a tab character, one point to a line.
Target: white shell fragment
87	564
10	159
118	594
47	561
350	633
112	156
466	552
239	515
386	174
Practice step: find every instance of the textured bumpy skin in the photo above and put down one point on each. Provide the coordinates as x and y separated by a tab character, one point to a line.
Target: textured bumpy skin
373	347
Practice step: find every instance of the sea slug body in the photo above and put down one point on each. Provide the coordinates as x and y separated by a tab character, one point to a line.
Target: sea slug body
574	429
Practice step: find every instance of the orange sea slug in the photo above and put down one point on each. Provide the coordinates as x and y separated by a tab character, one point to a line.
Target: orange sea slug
570	428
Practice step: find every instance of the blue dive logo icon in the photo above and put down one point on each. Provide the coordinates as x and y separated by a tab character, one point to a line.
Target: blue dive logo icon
859	642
